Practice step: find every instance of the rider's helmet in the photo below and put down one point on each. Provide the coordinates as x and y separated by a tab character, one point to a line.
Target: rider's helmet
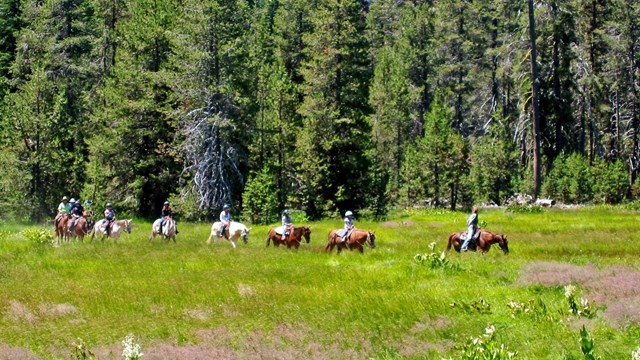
72	201
286	211
348	213
167	203
108	205
226	206
64	198
78	201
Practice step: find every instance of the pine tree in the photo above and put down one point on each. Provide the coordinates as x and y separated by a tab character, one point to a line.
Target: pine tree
333	147
133	159
53	77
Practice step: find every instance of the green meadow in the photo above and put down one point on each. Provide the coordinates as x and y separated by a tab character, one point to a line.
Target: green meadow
191	300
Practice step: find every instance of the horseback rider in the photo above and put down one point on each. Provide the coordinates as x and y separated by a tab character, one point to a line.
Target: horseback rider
63	209
287	225
109	217
472	226
76	212
348	225
225	218
166	213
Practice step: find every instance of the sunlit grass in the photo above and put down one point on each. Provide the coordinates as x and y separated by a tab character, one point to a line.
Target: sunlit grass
381	303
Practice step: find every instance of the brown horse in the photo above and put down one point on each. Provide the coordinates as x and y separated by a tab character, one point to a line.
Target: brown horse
80	229
483	243
355	240
61	226
293	240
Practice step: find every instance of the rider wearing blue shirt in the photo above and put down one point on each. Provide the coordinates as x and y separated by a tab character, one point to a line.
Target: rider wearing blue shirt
286	223
348	225
472	225
76	212
225	219
109	216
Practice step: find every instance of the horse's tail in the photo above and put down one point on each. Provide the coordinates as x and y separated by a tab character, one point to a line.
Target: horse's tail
268	238
450	242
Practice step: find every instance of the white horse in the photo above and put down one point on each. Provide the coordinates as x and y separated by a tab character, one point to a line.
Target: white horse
116	228
168	229
233	232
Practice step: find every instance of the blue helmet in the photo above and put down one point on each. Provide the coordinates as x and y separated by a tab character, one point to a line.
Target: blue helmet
226	206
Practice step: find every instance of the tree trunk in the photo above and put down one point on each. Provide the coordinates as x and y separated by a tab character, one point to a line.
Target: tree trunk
534	102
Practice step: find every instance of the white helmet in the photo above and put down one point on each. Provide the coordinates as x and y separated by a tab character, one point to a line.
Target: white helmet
348	213
72	200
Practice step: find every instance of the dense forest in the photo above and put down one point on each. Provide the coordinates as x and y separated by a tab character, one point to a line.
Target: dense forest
322	105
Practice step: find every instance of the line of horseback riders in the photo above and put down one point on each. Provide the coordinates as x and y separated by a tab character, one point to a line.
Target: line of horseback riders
73	210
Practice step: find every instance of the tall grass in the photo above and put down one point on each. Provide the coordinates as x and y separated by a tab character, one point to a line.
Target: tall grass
382	304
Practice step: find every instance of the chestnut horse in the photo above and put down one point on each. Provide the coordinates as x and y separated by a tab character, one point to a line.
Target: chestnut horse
80	229
483	243
293	240
61	227
355	240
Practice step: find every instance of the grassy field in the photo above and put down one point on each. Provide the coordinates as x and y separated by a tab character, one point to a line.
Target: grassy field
192	301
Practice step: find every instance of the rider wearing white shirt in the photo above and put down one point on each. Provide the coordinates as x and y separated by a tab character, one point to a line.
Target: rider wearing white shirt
348	225
225	218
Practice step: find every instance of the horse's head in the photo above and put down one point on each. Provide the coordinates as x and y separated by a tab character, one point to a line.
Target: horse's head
504	243
371	239
306	233
245	234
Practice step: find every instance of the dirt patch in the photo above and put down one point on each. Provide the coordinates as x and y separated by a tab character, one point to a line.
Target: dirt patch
429	323
615	287
9	352
199	314
245	291
18	312
57	310
397	224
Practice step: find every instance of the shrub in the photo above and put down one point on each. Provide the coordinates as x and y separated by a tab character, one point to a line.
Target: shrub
38	236
581	309
435	261
534	308
613	182
570	180
485	347
479	306
259	198
525	209
80	351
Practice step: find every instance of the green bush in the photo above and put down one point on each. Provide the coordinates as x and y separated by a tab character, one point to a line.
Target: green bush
38	236
259	198
612	183
570	180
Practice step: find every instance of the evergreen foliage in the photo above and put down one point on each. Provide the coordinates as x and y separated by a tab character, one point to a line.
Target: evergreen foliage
135	102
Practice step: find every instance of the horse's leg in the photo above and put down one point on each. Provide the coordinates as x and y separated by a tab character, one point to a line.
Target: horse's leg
233	242
268	240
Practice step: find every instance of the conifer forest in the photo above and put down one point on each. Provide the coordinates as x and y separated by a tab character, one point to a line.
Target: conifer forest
321	106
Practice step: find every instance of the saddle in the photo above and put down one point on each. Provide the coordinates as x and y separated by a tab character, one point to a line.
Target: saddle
474	238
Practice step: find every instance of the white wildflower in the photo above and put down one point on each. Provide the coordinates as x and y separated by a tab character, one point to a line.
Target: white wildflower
635	355
131	351
584	302
489	331
569	291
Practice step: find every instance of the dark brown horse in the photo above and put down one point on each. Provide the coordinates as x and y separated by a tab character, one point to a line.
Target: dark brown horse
61	226
293	240
355	240
483	243
80	229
